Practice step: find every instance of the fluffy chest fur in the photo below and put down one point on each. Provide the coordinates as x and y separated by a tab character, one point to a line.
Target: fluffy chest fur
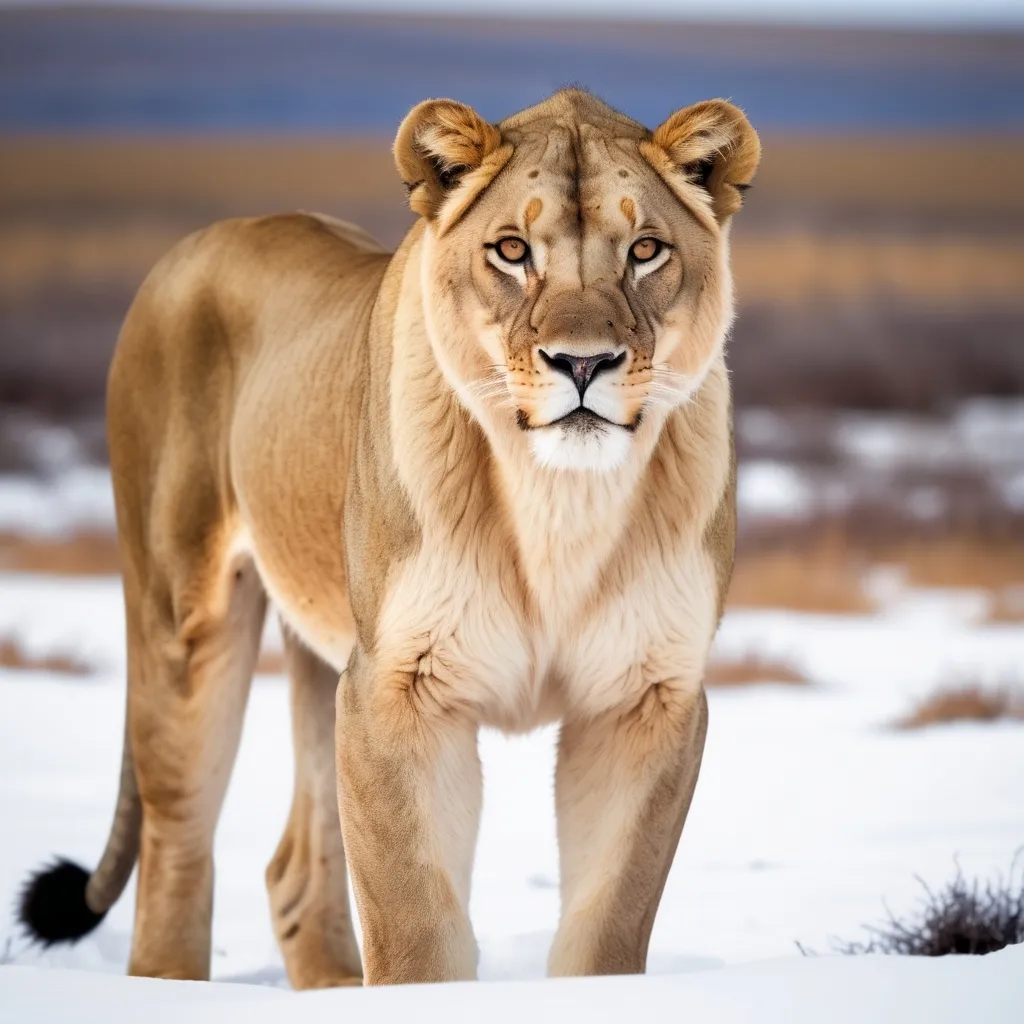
463	622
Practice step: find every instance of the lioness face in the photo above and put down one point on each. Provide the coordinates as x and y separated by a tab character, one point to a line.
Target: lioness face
575	266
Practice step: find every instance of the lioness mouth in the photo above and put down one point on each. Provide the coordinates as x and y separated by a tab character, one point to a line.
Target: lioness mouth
580	421
583	421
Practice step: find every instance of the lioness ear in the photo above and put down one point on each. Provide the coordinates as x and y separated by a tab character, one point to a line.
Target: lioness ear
711	145
438	143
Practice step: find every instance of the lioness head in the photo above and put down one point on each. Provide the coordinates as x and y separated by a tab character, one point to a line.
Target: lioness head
575	272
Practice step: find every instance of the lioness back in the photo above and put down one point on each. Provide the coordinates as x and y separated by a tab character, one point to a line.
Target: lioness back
238	321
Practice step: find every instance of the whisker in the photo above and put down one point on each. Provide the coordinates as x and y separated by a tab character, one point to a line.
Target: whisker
666	374
490	391
669	389
488	378
493	385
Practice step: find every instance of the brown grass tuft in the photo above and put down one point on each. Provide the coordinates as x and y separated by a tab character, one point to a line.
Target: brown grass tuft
752	669
83	554
825	572
961	562
13	656
782	267
1007	606
825	577
969	702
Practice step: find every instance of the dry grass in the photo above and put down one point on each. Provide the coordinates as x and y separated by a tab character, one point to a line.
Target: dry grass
752	669
964	561
111	174
968	702
825	571
13	656
83	254
896	176
1007	606
940	272
84	554
825	577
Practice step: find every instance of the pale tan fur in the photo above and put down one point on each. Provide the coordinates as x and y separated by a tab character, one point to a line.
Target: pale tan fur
371	440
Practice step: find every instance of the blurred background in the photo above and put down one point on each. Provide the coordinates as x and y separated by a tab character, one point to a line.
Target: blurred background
878	357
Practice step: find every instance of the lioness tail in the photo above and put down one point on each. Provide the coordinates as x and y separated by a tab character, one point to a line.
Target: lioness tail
62	902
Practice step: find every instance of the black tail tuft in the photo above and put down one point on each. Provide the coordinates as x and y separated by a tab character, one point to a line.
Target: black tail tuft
52	906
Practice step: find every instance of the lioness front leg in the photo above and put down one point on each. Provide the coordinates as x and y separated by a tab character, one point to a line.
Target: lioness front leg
409	791
623	787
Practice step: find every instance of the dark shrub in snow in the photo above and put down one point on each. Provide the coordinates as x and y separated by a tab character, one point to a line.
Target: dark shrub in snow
963	917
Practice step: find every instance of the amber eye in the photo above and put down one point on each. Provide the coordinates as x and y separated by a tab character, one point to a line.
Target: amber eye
645	249
512	250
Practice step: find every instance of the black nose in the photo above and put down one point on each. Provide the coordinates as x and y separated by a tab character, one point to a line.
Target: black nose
581	370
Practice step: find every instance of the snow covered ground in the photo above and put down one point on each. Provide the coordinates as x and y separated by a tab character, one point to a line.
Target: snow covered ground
809	814
819	991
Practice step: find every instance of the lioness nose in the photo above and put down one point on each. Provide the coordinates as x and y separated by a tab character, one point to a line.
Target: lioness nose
581	370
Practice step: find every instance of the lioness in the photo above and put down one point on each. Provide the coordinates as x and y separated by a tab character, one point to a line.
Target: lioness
489	479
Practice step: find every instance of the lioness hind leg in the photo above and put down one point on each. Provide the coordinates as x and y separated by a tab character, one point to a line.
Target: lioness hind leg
307	879
197	638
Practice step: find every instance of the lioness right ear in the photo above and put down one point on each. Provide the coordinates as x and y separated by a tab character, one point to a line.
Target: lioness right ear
711	145
438	143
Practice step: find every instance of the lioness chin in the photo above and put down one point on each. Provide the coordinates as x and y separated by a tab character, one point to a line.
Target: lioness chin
487	479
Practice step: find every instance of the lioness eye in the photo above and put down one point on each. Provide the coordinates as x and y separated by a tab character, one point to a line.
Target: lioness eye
512	250
644	250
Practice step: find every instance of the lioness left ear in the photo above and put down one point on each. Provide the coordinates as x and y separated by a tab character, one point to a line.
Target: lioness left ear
438	143
712	145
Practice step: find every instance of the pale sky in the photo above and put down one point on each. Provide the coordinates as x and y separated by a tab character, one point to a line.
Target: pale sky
911	12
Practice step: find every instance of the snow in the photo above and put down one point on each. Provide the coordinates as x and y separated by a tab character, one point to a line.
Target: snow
79	498
810	991
985	431
1013	492
769	488
799	463
810	817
